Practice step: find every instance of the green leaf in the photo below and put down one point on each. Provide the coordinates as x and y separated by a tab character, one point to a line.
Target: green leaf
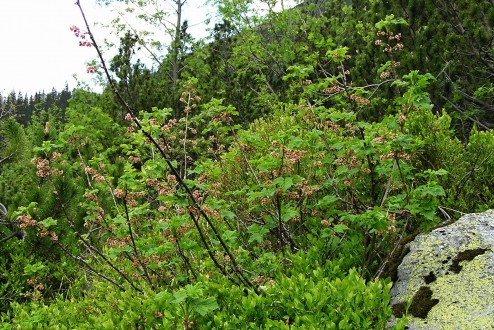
230	237
33	269
326	232
327	200
48	222
308	299
189	244
179	297
288	213
284	183
204	306
432	189
119	220
340	228
438	172
257	233
343	323
227	214
163	225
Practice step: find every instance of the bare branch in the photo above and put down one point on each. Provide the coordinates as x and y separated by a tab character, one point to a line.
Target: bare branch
457	108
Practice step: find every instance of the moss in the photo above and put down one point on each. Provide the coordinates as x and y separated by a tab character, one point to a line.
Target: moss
466	255
396	257
395	261
399	309
430	278
422	302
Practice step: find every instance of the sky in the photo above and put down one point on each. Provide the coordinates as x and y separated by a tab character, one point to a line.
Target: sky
39	52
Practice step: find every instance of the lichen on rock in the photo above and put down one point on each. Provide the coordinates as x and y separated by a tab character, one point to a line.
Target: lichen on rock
446	281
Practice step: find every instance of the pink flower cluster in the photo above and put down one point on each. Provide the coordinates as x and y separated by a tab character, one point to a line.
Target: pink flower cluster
91	69
77	32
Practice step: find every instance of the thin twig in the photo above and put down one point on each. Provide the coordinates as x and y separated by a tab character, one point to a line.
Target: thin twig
164	155
86	242
388	185
134	246
88	266
457	108
8	237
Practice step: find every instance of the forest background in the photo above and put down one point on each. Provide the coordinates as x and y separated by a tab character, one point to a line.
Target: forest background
265	177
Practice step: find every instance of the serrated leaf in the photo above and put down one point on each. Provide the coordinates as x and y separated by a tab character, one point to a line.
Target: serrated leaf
162	296
179	297
327	200
257	233
204	306
438	172
119	220
284	183
48	222
288	213
340	228
227	214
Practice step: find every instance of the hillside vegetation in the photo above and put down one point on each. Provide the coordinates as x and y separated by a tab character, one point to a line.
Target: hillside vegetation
266	177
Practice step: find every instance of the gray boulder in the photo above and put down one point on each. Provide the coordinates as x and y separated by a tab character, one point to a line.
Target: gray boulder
446	280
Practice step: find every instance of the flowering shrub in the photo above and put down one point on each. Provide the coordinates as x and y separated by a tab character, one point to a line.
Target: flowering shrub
184	218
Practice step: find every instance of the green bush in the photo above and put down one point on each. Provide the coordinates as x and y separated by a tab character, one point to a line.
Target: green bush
303	301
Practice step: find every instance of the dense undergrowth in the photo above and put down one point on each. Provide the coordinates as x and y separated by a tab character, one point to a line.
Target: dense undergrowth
180	217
